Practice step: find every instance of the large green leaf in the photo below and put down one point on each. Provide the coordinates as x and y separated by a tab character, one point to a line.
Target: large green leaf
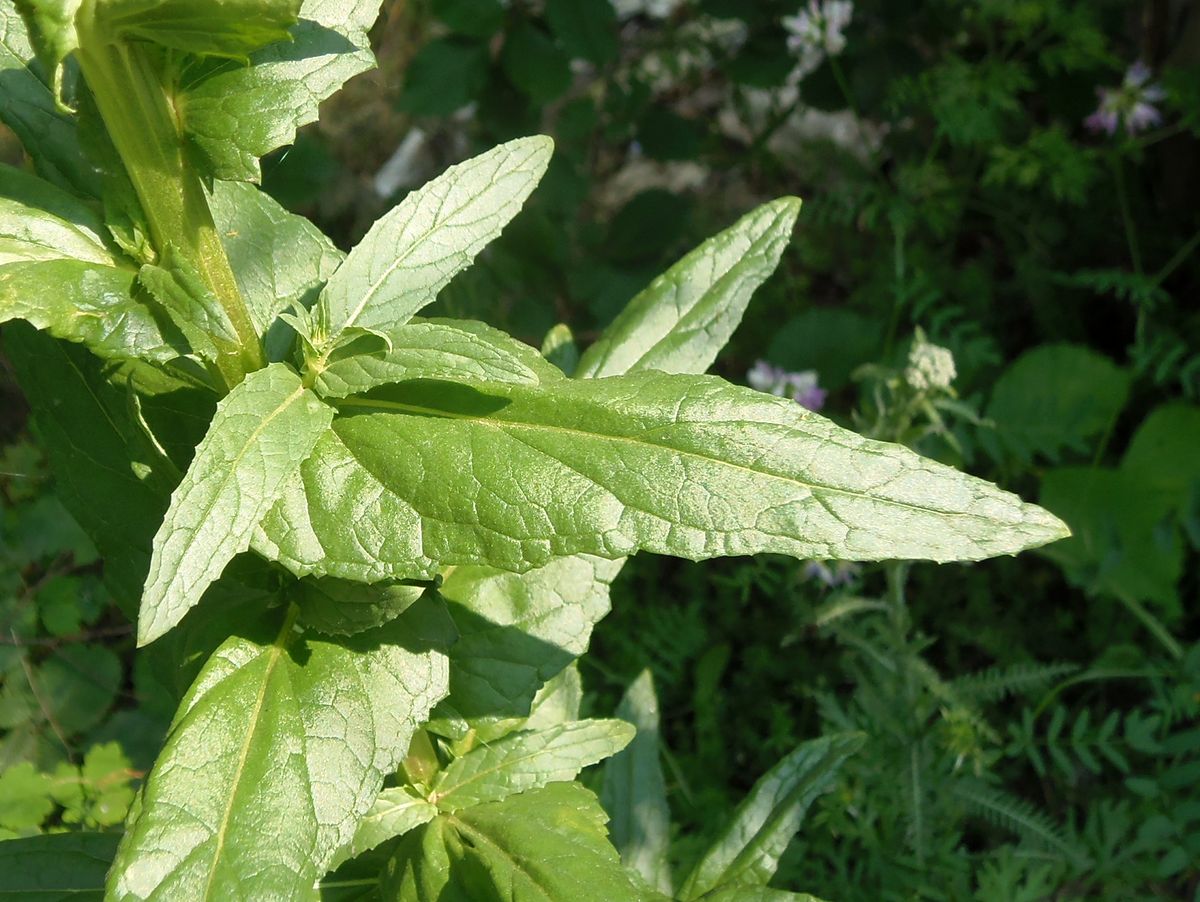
114	483
1055	397
278	258
27	107
526	760
342	608
56	867
686	315
748	850
261	433
545	845
276	752
232	28
236	114
634	792
756	894
411	254
424	473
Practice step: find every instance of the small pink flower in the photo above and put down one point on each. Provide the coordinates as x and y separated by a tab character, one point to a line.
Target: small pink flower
801	387
1132	105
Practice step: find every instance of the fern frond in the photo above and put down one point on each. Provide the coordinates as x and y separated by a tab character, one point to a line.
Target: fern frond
1016	815
997	683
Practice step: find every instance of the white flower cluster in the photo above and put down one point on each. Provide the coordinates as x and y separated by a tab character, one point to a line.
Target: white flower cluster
929	366
816	31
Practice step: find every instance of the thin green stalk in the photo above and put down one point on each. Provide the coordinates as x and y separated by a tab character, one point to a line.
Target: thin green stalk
1135	251
141	120
1178	260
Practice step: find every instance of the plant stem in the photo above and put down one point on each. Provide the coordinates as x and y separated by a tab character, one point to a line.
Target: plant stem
140	119
1135	252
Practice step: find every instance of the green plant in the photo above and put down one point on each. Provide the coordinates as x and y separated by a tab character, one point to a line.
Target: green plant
435	511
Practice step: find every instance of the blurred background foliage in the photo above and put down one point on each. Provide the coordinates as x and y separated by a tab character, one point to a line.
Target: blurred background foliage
997	263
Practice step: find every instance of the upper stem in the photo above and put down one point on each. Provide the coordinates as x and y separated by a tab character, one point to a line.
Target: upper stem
140	119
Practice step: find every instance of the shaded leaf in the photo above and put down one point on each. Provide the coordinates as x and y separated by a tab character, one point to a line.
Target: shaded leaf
1053	398
56	867
396	811
342	608
232	28
748	850
634	792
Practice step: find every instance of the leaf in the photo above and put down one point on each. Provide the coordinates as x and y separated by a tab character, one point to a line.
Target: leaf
261	433
526	760
756	894
342	608
87	303
1163	451
445	75
411	253
680	322
41	222
518	631
24	797
396	811
634	792
232	28
52	32
236	114
1055	397
476	18
1123	543
831	340
56	867
276	752
27	106
535	64
748	850
587	29
78	684
95	479
278	258
508	475
437	349
545	845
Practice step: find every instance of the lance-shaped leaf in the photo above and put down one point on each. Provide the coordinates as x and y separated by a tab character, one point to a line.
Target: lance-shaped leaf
526	760
423	474
278	258
236	114
396	811
277	750
412	253
544	845
634	792
27	106
438	349
748	850
231	28
56	867
756	894
686	315
261	433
